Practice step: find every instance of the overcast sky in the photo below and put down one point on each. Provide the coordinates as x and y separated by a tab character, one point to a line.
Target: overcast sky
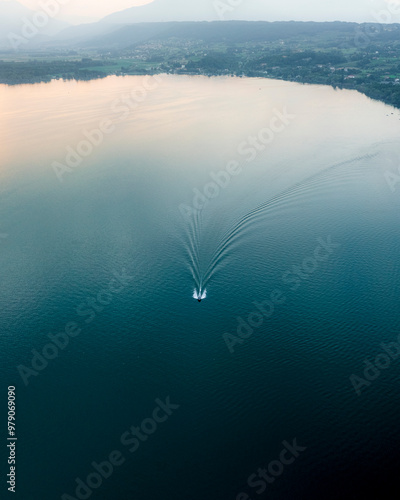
268	10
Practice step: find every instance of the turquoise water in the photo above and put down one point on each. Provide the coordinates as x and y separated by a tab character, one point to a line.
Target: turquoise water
117	248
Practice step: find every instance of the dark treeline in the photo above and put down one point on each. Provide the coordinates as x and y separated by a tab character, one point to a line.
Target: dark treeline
44	71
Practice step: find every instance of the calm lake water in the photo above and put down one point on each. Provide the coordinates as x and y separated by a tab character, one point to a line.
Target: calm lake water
305	212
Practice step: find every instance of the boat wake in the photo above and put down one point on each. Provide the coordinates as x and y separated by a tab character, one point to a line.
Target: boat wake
318	183
199	295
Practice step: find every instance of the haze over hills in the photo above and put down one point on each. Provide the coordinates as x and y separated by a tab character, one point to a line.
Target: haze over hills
122	29
77	35
120	38
161	11
253	10
108	35
104	36
13	18
157	12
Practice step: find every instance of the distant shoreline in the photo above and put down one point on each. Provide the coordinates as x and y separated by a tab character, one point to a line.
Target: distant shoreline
369	92
365	57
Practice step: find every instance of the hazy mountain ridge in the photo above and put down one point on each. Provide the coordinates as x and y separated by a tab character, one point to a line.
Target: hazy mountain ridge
105	35
13	18
210	32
